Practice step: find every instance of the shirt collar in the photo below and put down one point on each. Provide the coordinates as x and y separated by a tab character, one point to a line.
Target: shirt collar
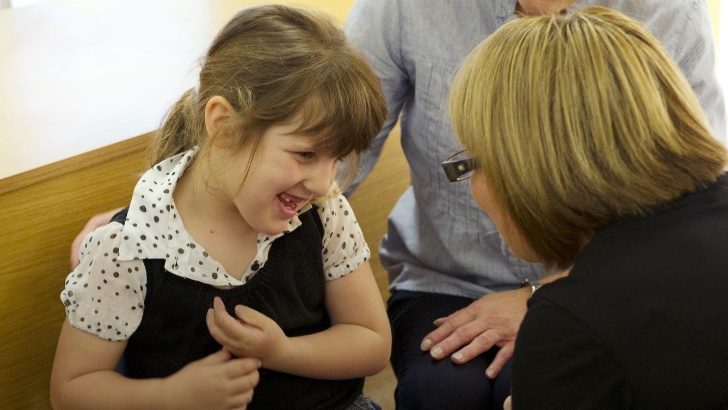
154	230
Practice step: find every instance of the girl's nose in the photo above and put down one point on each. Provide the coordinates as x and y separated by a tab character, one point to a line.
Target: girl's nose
321	177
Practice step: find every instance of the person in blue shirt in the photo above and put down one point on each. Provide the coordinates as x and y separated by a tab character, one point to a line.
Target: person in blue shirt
445	257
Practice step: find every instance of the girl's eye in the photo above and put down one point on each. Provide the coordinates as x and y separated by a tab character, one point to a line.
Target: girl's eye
305	154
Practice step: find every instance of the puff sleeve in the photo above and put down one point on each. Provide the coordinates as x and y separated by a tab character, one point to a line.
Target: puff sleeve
104	295
344	247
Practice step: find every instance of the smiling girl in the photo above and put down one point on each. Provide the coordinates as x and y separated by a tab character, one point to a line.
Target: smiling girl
238	242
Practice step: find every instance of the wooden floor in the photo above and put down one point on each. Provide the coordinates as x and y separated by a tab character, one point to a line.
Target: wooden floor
380	388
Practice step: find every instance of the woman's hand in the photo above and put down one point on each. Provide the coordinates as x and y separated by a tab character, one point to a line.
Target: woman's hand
216	382
492	320
93	223
507	404
251	335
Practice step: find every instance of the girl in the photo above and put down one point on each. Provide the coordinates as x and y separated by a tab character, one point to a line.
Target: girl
237	241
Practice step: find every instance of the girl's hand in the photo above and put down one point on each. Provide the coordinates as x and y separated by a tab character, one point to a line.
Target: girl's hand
215	382
251	335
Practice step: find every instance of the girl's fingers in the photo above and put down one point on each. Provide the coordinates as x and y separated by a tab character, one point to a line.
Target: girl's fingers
217	332
240	401
251	317
223	320
242	368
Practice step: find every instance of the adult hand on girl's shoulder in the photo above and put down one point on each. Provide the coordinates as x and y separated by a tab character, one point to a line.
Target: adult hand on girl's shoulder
252	334
214	382
93	223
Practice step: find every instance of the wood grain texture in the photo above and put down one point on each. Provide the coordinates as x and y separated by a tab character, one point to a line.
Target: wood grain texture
39	222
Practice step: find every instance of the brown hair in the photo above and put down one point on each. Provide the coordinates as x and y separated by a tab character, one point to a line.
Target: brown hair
272	63
579	120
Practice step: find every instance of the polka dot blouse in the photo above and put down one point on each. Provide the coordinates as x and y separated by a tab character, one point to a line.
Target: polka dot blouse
104	295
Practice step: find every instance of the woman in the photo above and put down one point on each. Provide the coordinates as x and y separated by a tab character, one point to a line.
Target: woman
591	152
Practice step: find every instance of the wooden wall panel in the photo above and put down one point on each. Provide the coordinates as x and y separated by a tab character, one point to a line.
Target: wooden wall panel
38	224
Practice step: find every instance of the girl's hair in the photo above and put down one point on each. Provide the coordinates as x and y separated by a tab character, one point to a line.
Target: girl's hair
579	120
272	63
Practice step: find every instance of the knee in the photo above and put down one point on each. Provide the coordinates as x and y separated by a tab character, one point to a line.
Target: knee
443	385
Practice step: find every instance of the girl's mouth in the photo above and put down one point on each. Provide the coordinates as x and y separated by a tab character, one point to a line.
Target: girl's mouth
289	204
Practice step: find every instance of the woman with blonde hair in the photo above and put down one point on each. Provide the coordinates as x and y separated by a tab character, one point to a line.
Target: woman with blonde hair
590	152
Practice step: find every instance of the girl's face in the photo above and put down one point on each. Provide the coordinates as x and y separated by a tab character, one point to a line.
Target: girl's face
510	234
539	7
288	170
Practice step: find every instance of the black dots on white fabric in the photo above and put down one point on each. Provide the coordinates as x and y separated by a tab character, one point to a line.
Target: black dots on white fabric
343	240
99	284
150	235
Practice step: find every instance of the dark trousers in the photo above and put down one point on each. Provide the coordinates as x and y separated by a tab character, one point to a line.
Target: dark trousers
424	383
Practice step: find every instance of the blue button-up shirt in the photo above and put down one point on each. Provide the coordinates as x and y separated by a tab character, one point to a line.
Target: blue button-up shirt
438	239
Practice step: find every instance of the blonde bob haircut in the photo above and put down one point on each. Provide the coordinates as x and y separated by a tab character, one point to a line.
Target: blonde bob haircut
273	64
579	120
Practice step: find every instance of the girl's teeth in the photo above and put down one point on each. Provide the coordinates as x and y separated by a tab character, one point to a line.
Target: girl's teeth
287	202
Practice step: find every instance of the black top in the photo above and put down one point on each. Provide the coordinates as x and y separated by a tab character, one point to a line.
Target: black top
289	289
642	320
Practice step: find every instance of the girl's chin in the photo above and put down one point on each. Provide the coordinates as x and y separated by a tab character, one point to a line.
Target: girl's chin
274	228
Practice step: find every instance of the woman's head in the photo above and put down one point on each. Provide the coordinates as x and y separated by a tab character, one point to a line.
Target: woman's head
275	64
578	120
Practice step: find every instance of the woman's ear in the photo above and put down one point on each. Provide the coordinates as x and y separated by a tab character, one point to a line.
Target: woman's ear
217	111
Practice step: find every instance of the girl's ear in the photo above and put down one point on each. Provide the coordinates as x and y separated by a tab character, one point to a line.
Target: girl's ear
217	111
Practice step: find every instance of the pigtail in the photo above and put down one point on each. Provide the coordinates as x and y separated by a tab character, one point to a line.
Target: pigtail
179	131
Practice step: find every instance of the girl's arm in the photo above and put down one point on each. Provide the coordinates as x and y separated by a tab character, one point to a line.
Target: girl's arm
357	344
84	377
